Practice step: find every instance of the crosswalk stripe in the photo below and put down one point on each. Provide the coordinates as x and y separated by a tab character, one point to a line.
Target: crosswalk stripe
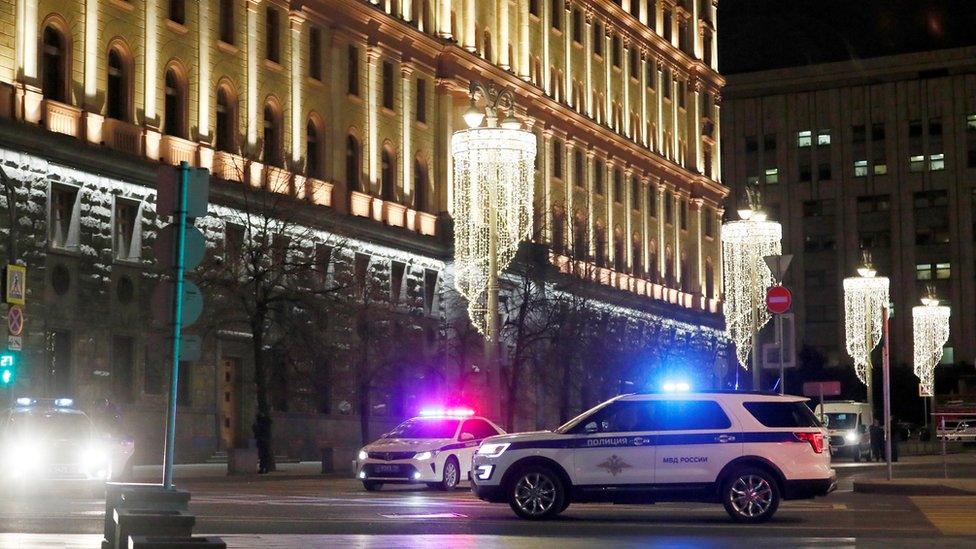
952	515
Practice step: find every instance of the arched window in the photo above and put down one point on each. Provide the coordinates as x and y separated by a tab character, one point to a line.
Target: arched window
118	98
226	138
685	275
558	229
388	175
174	116
314	165
669	267
272	135
600	243
352	163
54	64
420	183
580	249
637	260
653	259
709	279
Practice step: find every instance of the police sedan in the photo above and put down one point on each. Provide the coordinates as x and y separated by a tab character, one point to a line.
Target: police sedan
434	448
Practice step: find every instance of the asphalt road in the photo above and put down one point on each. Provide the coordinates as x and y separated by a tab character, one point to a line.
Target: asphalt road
318	512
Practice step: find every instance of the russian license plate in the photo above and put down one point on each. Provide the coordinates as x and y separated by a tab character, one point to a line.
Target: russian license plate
387	468
62	469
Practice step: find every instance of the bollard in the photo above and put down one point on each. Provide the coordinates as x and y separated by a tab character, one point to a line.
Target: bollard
151	522
327	464
120	495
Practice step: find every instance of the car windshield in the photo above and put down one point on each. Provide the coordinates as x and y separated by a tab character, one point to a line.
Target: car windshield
841	420
566	427
48	424
425	428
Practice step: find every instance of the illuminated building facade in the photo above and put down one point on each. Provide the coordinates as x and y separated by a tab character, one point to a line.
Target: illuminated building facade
353	104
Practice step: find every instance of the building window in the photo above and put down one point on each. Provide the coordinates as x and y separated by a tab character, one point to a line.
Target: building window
616	52
752	144
64	214
916	163
272	36
971	140
598	177
174	115
117	96
397	271
54	65
823	171
352	70
933	271
652	201
123	362
634	63
880	169
804	138
388	189
858	134
388	85
313	153
577	26
352	163
557	159
557	14
683	215
635	189
127	233
937	162
769	143
667	25
860	168
272	136
421	100
315	53
597	39
579	167
618	186
177	11
668	208
534	7
226	130
226	21
709	223
772	176
420	183
823	138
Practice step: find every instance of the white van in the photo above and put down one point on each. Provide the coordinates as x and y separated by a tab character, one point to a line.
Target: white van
847	423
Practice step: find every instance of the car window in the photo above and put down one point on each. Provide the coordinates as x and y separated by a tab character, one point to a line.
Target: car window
782	414
425	428
478	428
841	420
688	415
618	417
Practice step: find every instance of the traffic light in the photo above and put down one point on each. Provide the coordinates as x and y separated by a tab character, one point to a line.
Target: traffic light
8	368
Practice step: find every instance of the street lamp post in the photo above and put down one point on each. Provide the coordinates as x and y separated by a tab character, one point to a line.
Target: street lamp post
494	165
930	330
746	277
866	324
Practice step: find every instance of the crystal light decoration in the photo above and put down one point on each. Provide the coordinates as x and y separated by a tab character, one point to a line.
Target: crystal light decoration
930	328
864	300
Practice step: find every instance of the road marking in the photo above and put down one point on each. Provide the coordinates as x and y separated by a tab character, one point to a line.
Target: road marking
952	515
426	516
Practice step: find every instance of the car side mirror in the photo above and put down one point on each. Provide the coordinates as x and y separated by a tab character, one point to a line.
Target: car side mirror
466	437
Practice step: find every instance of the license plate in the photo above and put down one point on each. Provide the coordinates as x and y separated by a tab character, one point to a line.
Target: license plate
62	469
387	469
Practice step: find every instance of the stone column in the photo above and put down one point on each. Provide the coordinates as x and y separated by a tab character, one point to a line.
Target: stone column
676	199
91	52
674	116
444	18
406	138
646	189
470	29
629	213
547	154
546	33
608	65
406	10
643	10
694	160
590	184
443	165
661	222
717	136
372	101
252	71
295	20
588	54
695	208
568	47
659	105
610	196
503	40
569	178
525	48
659	27
645	133
625	115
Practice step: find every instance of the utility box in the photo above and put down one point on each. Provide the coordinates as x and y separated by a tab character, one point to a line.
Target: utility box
138	496
169	542
151	522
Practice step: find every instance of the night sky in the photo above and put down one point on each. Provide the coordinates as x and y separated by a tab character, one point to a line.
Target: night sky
768	34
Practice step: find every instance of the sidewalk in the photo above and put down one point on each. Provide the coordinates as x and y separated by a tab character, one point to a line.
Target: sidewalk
918	476
218	471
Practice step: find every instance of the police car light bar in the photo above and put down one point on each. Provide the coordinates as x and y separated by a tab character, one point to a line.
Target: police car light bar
676	387
64	402
449	412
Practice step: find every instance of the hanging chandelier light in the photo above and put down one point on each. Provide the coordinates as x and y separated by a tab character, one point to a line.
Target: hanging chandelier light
494	167
865	297
745	274
930	328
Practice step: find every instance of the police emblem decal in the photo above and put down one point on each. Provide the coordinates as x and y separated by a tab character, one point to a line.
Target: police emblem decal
614	465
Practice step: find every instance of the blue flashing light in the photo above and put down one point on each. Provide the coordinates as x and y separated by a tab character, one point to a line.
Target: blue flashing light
676	387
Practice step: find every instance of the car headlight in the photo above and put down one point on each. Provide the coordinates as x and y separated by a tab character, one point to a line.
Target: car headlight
493	449
363	455
24	454
851	436
424	456
94	459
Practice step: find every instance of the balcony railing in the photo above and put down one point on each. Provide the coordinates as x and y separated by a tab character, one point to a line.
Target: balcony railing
122	136
174	150
61	118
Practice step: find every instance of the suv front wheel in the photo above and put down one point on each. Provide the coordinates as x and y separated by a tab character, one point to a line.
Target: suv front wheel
750	495
537	493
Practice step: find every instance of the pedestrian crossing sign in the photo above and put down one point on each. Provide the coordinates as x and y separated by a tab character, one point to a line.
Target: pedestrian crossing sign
15	287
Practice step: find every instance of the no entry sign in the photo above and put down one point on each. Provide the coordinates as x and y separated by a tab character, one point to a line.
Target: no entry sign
778	300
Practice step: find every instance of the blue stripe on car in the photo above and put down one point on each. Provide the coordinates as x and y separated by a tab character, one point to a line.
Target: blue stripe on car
655	440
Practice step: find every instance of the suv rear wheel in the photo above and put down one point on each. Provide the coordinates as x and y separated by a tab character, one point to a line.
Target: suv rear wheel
750	495
537	493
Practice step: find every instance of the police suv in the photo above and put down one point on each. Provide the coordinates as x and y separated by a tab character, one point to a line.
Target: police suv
434	448
745	450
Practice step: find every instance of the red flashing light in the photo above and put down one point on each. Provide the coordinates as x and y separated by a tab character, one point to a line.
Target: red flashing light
816	440
447	412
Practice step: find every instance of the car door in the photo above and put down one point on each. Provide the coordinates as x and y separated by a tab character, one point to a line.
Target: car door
472	433
694	438
614	446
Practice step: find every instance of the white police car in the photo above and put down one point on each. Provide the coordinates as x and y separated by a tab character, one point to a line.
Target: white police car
49	440
434	448
745	450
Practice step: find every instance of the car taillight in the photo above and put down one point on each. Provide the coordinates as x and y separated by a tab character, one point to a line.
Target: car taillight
816	440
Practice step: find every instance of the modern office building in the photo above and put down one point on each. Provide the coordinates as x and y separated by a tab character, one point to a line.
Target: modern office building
345	108
873	154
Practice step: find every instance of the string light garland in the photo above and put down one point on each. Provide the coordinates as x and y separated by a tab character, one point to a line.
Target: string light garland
930	328
493	179
864	300
747	277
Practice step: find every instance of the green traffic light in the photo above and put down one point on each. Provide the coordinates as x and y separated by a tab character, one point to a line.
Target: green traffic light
6	377
7	362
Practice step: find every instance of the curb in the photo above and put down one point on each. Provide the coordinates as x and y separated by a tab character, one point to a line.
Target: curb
253	477
932	488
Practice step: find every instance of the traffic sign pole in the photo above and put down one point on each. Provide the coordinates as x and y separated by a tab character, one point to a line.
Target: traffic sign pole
169	450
